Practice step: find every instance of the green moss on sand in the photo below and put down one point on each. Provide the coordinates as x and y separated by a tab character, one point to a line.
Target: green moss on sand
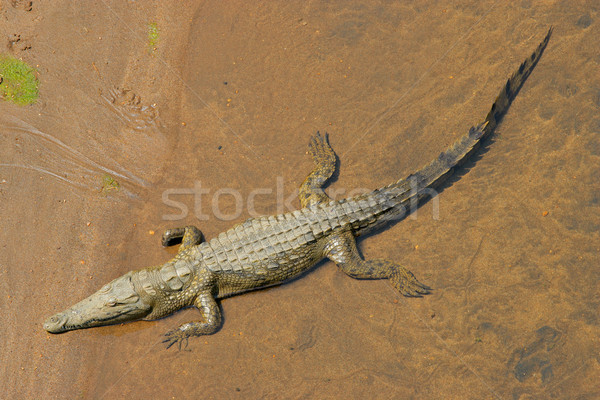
152	36
18	82
109	184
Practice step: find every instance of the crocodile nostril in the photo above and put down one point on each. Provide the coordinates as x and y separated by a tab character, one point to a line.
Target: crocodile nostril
54	324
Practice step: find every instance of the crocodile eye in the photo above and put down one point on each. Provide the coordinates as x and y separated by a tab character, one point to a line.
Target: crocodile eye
105	288
111	302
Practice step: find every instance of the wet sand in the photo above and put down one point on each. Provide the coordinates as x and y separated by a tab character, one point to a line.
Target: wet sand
227	97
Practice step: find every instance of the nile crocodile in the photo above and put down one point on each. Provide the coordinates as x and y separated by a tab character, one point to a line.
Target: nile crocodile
269	250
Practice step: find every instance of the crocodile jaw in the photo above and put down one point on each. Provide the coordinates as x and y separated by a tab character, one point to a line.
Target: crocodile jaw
116	302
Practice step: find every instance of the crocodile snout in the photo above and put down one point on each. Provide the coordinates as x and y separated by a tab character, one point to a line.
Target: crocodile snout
56	323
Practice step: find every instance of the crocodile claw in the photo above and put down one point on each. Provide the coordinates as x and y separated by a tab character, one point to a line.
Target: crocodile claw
407	284
176	336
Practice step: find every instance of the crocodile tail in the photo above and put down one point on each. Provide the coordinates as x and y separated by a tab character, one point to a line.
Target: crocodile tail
395	200
436	172
512	87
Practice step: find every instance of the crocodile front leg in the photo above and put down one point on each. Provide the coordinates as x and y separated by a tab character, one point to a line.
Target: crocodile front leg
311	190
211	323
341	249
188	236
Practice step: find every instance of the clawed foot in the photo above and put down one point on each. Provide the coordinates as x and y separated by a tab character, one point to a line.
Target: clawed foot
196	328
406	283
176	336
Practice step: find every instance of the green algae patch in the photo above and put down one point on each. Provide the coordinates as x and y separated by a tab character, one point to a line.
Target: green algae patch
18	83
153	34
109	184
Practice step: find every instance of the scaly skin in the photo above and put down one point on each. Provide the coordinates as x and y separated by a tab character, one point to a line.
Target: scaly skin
269	250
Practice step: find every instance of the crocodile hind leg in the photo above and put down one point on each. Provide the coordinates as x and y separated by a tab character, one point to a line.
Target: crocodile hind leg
311	190
188	236
342	250
211	323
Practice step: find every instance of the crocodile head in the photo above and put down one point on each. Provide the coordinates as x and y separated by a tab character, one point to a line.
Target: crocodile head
116	302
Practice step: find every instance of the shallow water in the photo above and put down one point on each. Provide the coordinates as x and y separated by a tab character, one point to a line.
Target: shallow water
228	100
